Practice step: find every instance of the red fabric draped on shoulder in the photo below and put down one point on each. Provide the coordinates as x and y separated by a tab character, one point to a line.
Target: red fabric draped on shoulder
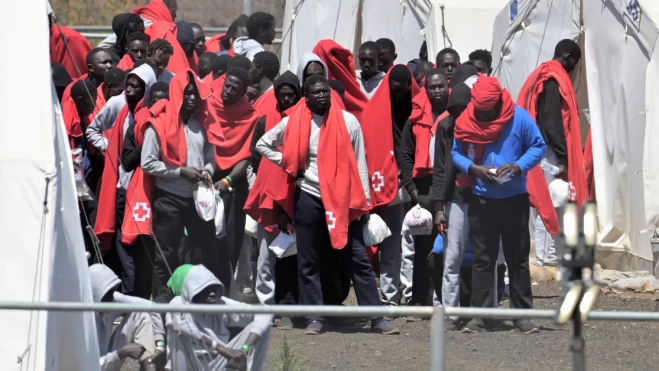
217	85
377	126
71	119
423	128
537	185
340	66
78	44
178	62
213	44
155	10
126	63
589	167
265	102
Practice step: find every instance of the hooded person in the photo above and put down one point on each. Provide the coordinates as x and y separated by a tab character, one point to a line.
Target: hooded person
202	341
382	121
123	25
139	335
222	43
157	10
61	79
271	215
135	262
496	145
340	66
260	31
311	64
322	147
186	39
548	95
176	157
72	58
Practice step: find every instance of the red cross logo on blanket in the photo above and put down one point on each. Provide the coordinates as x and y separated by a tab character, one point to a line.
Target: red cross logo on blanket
378	181
141	212
331	220
573	192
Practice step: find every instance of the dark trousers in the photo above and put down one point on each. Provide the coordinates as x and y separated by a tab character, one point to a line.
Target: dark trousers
491	220
287	289
312	235
234	216
422	277
172	213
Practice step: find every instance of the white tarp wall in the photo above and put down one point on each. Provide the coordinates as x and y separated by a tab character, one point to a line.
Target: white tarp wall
351	22
467	25
43	250
618	44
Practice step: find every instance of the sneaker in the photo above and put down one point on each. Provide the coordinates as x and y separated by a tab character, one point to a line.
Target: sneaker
384	327
314	328
285	323
413	318
474	326
527	327
451	325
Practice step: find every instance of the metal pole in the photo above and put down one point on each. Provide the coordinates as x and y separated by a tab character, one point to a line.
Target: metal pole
437	349
247	7
578	342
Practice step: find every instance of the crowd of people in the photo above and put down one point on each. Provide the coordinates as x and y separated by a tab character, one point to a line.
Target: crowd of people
161	112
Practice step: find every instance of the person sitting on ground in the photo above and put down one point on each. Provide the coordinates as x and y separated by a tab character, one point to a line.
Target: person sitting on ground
137	45
201	341
205	64
160	50
482	60
448	60
387	54
199	38
369	77
139	335
260	31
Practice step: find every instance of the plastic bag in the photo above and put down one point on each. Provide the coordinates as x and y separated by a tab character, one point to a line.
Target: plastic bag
251	226
82	189
560	192
220	225
284	245
418	221
376	231
204	200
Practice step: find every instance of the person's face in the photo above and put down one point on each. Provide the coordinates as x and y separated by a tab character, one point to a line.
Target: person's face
368	61
436	89
204	69
268	34
489	115
449	62
112	90
188	49
101	63
255	74
387	58
84	105
109	296
482	66
200	40
569	62
318	96
208	295
286	97
158	95
173	7
191	98
233	90
134	89
137	49
161	60
398	90
314	68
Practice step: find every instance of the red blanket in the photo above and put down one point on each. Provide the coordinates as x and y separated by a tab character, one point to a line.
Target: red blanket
589	167
537	185
178	62
79	48
423	128
155	10
126	63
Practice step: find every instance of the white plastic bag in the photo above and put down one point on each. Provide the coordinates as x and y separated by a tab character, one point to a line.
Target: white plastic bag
376	231
220	226
418	221
284	245
204	200
251	226
559	191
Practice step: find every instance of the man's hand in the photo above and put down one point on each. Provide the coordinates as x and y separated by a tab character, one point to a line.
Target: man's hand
191	174
158	359
442	223
283	223
300	174
207	177
562	173
253	92
222	187
365	218
414	195
132	350
235	357
508	170
482	172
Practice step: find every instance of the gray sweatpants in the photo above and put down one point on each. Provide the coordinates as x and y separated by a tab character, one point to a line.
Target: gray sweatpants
265	268
407	265
455	245
545	251
390	254
134	328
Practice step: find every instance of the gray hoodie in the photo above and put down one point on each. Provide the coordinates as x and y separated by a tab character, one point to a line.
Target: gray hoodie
304	62
247	47
185	330
103	280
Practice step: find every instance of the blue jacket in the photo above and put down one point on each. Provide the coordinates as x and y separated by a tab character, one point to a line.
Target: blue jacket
520	142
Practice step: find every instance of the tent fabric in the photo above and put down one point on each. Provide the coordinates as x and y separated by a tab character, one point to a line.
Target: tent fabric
46	261
617	56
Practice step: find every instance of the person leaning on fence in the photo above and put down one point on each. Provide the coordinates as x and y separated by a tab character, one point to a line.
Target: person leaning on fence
202	341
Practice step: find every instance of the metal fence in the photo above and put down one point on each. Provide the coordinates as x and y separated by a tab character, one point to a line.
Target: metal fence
101	32
437	344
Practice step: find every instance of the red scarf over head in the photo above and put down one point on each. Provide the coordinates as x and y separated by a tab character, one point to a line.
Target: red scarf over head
377	126
79	48
424	129
537	184
340	66
340	185
155	10
484	96
178	62
230	130
126	63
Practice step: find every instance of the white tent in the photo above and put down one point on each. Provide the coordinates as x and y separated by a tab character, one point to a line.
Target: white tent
43	250
650	154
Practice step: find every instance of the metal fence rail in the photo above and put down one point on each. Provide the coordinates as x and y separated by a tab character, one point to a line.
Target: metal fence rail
437	345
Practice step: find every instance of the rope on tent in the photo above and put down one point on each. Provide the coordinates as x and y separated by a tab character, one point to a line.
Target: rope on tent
293	16
444	32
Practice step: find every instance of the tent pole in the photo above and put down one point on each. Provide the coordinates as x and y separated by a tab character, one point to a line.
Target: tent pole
247	7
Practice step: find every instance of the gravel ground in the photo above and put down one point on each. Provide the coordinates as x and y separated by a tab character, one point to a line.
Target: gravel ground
609	345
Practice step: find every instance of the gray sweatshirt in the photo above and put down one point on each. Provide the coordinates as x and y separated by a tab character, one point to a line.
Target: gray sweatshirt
370	86
200	154
267	147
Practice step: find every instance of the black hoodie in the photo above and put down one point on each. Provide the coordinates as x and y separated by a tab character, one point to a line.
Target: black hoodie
444	173
119	23
289	78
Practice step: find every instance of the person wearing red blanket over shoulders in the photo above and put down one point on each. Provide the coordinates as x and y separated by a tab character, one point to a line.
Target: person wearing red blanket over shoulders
157	10
264	71
233	121
382	122
177	154
495	136
549	97
74	62
137	45
199	39
186	39
416	172
160	51
323	153
369	77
